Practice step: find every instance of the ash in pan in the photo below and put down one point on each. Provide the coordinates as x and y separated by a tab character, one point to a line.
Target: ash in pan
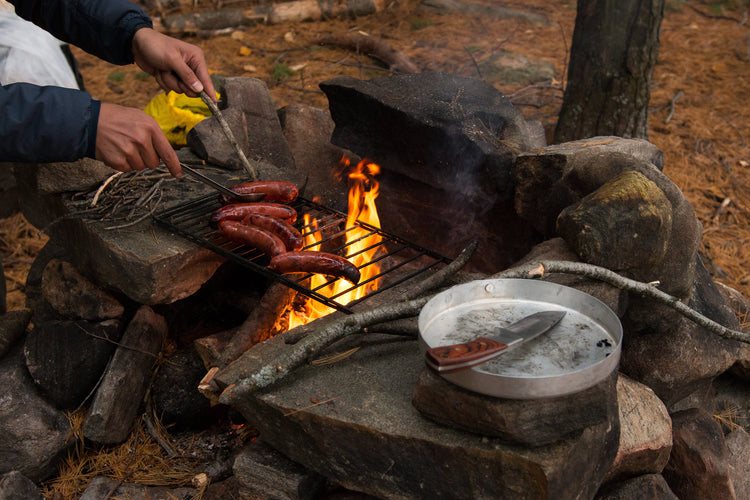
573	344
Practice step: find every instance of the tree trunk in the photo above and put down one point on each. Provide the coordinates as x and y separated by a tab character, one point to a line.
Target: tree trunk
613	53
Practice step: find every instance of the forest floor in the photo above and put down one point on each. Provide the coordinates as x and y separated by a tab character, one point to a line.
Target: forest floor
703	70
699	116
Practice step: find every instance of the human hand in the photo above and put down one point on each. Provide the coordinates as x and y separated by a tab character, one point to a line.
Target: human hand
129	139
175	64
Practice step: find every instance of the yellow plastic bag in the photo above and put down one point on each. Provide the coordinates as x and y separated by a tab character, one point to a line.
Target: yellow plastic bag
176	114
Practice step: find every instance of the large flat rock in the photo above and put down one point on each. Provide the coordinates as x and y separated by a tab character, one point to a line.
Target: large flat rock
353	421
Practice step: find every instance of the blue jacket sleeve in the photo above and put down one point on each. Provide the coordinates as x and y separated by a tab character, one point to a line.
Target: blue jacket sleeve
104	28
46	124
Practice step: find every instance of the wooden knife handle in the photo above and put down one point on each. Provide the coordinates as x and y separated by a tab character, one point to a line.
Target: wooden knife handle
447	356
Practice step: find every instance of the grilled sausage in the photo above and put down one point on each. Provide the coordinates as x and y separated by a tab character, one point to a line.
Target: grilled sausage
316	263
252	236
239	211
289	234
274	190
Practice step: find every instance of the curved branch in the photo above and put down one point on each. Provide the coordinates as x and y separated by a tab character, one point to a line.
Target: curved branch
539	269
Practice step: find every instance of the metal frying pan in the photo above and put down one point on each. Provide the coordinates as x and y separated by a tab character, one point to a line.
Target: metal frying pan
581	351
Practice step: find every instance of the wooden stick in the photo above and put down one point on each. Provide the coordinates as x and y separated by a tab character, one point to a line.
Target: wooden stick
230	136
298	354
433	281
591	271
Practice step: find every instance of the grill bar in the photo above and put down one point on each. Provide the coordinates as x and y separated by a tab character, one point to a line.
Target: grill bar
392	254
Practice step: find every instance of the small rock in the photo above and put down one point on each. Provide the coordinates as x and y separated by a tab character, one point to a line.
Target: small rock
12	327
699	464
16	486
649	486
262	472
119	396
32	432
645	432
738	443
66	358
74	296
101	486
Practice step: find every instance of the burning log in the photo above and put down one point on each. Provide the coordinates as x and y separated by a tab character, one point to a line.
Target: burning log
315	340
219	350
338	328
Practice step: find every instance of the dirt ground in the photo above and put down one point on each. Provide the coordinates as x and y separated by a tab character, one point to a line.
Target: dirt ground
703	68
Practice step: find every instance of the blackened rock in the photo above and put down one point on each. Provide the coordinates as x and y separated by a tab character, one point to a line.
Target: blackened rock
32	432
119	396
74	296
698	466
263	472
12	327
174	391
308	131
66	358
446	146
649	486
16	486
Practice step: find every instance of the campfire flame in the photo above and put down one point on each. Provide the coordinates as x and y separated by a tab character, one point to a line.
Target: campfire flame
363	190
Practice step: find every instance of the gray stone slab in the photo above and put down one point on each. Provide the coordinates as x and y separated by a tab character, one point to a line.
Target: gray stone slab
353	422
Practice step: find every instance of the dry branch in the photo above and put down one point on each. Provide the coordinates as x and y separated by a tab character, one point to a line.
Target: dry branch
373	47
333	330
308	347
223	348
435	280
539	269
230	136
301	352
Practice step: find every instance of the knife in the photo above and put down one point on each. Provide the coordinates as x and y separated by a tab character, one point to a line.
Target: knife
222	189
456	357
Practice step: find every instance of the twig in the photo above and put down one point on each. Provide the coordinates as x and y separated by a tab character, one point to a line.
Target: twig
671	105
741	22
433	281
104	184
591	271
153	431
299	353
139	219
276	370
474	61
228	133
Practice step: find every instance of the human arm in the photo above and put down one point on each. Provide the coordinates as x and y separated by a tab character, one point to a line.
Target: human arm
120	32
51	124
46	124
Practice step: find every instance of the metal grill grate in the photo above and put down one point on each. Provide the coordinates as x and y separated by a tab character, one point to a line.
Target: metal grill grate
393	253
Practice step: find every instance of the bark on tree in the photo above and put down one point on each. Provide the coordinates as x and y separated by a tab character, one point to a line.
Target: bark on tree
613	53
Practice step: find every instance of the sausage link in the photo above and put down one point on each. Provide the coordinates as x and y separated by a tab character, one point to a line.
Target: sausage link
239	211
274	190
289	234
252	236
316	263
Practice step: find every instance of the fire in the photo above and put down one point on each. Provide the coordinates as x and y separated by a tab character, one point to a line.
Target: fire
361	246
